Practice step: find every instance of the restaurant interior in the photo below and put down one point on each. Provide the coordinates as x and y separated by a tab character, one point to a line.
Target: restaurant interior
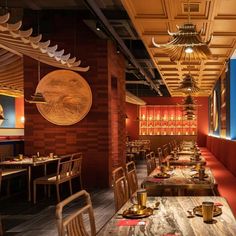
117	117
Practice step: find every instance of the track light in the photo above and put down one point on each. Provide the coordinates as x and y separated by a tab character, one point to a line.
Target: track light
98	26
118	50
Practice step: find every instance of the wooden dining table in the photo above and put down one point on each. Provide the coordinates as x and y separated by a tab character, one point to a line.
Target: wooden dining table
171	218
183	160
28	164
180	180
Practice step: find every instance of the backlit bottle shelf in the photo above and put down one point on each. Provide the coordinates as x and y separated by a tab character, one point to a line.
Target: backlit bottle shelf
165	120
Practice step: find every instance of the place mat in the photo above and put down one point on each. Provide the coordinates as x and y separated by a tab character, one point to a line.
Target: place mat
134	222
197	175
198	211
154	180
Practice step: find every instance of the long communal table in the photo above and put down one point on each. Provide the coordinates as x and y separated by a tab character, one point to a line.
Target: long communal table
170	218
181	179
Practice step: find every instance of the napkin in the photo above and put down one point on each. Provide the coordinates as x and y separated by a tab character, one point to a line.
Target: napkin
218	204
130	222
155	180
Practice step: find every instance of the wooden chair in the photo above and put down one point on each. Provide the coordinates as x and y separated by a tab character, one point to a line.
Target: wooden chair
62	175
120	187
131	177
165	150
151	164
76	165
73	224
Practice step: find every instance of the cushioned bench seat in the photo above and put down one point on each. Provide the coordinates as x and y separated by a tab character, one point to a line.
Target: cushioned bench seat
225	179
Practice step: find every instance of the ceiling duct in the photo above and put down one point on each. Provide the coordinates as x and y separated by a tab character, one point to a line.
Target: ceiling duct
99	14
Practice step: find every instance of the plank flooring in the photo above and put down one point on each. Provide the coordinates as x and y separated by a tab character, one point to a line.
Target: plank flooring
20	217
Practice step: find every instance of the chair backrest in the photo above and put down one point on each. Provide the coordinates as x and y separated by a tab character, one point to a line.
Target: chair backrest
152	154
151	165
76	163
120	187
73	224
131	177
165	150
63	169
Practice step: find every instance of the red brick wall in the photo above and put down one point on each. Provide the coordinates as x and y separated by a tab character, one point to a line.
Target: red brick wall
116	76
91	135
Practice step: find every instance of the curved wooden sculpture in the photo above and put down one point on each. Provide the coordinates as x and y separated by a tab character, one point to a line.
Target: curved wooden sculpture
21	41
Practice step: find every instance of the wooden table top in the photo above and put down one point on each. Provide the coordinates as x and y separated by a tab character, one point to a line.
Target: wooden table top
170	218
181	176
8	172
185	160
28	161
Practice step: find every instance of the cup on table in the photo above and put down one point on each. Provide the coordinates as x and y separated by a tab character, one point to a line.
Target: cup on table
142	197
201	173
198	166
207	211
34	158
162	168
21	157
51	155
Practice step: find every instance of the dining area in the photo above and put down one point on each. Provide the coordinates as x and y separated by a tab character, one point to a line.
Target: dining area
174	200
117	118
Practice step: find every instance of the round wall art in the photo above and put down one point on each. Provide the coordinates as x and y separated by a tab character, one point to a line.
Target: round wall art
68	96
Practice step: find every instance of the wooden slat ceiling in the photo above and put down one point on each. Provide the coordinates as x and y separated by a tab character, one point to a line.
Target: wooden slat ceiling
11	74
153	18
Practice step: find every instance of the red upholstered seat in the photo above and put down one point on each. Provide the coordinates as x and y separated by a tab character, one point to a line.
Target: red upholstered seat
223	169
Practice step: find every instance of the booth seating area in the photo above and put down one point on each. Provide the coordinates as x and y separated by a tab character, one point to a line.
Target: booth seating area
220	157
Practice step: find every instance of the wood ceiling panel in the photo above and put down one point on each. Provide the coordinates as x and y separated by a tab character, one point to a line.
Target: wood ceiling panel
11	74
154	8
215	17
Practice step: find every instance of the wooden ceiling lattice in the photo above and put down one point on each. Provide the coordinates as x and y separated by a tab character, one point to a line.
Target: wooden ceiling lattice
216	17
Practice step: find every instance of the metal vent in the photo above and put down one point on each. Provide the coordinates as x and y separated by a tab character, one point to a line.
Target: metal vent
194	7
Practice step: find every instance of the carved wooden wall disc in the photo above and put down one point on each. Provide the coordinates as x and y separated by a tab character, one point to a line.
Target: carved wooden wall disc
68	96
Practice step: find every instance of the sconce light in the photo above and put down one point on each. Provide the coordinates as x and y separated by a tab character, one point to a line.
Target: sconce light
1	115
22	119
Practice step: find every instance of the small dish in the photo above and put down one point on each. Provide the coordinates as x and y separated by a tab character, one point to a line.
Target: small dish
198	211
162	175
137	212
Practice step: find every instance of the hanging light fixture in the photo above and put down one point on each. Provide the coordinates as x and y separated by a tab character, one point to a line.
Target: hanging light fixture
189	101
188	85
186	42
37	97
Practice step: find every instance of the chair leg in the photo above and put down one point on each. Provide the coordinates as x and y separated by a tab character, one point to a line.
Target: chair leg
1	228
70	183
58	193
49	191
35	192
80	179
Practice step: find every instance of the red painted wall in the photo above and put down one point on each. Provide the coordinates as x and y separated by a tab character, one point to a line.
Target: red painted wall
19	112
132	126
92	135
202	133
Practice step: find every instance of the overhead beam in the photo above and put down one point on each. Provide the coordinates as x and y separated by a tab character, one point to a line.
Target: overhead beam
97	11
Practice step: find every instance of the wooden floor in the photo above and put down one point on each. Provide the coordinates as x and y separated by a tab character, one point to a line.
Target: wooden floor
22	218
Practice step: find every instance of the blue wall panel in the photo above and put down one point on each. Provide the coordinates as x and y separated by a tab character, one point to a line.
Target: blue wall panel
8	104
232	68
